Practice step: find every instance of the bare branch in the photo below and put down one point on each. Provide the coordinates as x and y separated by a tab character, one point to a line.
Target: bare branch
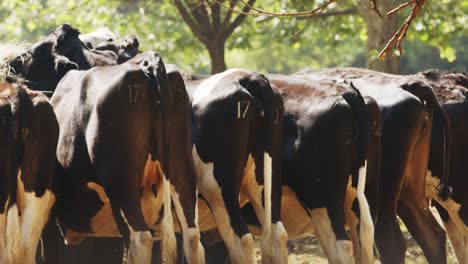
259	12
190	22
400	7
375	7
238	19
401	33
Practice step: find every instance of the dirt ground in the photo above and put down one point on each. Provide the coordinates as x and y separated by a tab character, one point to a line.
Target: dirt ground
307	250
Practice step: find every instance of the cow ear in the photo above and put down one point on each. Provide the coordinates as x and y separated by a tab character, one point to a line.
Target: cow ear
63	65
65	34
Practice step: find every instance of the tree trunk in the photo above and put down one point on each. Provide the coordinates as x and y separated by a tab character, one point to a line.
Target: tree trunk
379	32
216	51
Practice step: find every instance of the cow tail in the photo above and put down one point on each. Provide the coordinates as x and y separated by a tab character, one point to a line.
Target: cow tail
442	120
169	244
259	88
366	225
354	98
21	106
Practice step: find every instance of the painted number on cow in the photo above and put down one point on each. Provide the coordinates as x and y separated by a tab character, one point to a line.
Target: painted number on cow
242	107
133	90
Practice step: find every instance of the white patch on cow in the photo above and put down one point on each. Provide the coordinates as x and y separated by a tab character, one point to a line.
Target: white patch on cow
34	215
20	234
141	242
449	205
366	227
3	222
194	251
346	247
13	251
240	250
336	251
352	220
457	231
206	86
458	240
272	239
169	244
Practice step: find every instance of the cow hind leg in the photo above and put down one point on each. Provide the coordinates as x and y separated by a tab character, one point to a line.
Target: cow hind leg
274	237
136	236
337	251
425	229
34	216
193	249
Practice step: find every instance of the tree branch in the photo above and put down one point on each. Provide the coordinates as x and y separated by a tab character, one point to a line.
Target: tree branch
401	33
190	22
259	12
215	14
238	20
351	11
229	12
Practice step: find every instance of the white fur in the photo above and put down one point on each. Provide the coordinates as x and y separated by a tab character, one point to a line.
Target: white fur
194	251
141	242
206	86
457	231
14	251
366	228
34	215
336	251
169	244
450	205
458	240
240	250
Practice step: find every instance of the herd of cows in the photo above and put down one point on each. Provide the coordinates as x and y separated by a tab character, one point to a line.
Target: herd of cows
131	149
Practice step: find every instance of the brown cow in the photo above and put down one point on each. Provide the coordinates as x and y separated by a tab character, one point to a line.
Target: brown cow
408	105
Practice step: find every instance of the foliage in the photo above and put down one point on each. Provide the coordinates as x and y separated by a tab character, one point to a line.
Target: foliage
267	44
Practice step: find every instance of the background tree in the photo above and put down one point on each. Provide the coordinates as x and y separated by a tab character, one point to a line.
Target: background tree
212	26
336	37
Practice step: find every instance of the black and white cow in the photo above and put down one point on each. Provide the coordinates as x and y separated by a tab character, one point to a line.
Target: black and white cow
408	106
28	140
124	150
237	133
330	135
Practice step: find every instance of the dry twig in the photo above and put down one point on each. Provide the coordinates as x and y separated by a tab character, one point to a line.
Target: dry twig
375	7
401	33
260	12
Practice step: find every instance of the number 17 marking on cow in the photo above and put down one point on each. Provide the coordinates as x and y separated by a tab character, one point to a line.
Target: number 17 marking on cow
239	109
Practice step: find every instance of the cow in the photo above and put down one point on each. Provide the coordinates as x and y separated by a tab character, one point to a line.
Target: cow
237	133
408	106
101	35
329	131
329	135
124	151
47	61
28	139
451	89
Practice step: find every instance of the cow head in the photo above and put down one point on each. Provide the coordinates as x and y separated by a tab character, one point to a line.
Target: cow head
48	60
125	48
